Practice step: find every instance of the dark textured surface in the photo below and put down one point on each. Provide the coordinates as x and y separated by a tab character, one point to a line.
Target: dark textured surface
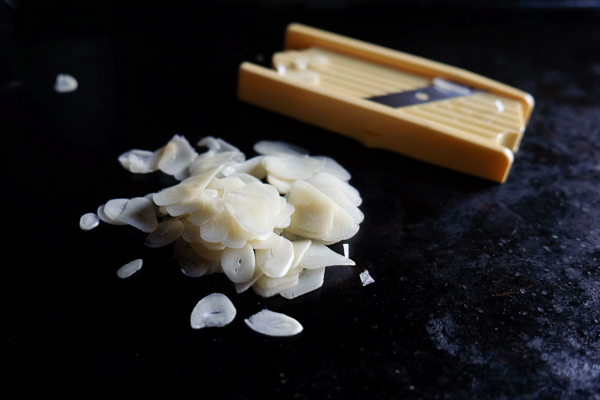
481	290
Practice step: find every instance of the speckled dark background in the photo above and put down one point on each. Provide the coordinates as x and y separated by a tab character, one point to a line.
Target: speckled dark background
482	290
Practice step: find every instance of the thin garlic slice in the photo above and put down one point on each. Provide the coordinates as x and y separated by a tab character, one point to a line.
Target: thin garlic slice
139	212
89	221
238	264
271	323
187	190
276	261
268	147
130	268
112	210
266	286
318	256
243	286
214	310
308	280
167	232
140	161
177	155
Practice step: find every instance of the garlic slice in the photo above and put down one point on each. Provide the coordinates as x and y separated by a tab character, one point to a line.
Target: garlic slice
89	221
140	161
167	232
129	269
266	286
187	190
268	147
177	155
112	210
319	256
308	280
276	261
243	286
238	264
273	324
214	310
139	213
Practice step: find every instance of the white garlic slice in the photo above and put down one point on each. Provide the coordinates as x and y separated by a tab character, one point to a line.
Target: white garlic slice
268	147
283	186
300	248
318	256
325	180
115	208
265	286
187	190
140	161
177	155
214	310
330	166
276	261
216	144
308	280
65	83
238	264
243	286
129	269
273	324
291	167
139	212
167	232
253	166
89	221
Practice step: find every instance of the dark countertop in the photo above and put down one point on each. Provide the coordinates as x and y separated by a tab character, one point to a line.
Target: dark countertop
482	290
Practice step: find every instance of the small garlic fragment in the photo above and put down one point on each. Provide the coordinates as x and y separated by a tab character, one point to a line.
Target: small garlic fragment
130	268
139	161
214	310
272	323
88	221
65	83
366	278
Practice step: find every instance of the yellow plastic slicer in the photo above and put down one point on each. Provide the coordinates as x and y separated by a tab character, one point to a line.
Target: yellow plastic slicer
392	100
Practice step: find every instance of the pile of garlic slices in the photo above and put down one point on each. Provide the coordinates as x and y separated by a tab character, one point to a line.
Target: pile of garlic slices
223	217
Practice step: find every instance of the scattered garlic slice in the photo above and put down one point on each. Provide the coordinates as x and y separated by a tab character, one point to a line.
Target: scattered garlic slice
271	323
366	278
214	310
130	268
65	83
139	212
89	221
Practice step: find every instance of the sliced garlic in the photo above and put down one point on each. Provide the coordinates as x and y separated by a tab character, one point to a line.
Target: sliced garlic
276	261
89	221
243	286
268	147
129	269
238	264
140	161
214	310
318	256
308	280
273	324
167	232
177	155
139	212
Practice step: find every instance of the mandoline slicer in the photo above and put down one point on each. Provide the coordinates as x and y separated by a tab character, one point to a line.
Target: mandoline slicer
392	100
